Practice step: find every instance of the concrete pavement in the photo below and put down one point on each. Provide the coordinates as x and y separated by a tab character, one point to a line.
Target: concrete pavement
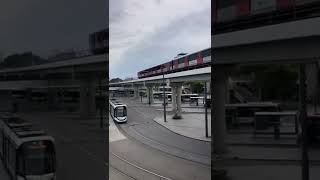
191	125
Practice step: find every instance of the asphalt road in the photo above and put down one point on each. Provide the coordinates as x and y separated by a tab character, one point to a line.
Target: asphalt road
155	153
143	128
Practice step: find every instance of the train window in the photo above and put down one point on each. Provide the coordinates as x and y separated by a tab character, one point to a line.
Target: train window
36	157
181	60
206	53
192	57
121	111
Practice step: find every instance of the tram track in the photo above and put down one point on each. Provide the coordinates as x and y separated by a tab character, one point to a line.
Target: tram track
132	170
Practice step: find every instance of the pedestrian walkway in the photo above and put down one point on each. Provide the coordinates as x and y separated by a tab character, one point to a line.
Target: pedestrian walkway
114	133
191	125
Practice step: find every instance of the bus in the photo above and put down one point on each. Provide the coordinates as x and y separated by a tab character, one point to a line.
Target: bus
26	152
118	111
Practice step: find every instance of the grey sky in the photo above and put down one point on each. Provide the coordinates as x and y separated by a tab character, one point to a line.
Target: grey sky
42	26
147	33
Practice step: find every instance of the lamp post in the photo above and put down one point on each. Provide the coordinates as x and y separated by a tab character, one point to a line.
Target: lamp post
205	107
303	121
164	97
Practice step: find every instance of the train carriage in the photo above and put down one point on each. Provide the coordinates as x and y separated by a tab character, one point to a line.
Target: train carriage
195	60
231	15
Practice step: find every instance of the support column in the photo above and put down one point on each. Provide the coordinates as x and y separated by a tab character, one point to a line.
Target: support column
87	97
84	99
312	71
179	108
150	94
174	98
29	95
136	92
219	120
52	98
177	100
92	97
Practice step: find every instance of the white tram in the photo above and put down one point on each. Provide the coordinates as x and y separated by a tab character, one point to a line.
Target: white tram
118	111
27	153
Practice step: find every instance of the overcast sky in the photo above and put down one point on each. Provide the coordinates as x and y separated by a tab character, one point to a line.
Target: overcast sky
149	32
42	26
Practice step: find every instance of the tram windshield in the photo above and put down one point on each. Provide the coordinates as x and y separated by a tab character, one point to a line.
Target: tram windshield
36	158
121	111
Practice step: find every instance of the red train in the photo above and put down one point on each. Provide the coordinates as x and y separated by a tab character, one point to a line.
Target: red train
192	61
228	13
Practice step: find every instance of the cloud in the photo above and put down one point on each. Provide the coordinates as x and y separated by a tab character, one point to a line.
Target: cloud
151	32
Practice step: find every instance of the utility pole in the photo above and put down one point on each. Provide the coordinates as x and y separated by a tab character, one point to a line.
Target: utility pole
205	108
164	97
303	122
101	104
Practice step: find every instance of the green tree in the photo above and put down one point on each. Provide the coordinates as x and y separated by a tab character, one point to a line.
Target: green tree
196	86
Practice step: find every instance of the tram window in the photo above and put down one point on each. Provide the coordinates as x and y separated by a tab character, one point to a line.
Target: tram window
37	157
121	112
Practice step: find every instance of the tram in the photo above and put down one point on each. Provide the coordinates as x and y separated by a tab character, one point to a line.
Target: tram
26	152
118	111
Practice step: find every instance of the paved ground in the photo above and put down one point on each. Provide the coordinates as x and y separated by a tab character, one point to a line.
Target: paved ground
143	128
191	125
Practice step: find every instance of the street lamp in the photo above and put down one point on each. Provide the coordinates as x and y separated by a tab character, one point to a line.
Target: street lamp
205	107
164	96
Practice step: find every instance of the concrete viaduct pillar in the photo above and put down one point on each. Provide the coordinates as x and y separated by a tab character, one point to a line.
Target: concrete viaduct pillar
52	98
219	101
176	100
312	73
87	97
136	91
150	94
